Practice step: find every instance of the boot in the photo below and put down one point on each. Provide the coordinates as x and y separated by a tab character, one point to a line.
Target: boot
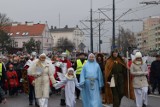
36	104
30	103
144	105
62	102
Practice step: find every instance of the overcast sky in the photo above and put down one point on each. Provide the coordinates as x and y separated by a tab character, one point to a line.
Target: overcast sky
72	11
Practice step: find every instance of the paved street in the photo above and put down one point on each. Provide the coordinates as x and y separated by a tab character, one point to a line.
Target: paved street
22	101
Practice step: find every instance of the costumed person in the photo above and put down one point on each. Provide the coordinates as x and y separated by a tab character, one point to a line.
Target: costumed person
42	70
57	64
116	80
28	79
20	70
70	82
12	79
2	96
100	61
91	82
65	64
155	74
139	70
78	65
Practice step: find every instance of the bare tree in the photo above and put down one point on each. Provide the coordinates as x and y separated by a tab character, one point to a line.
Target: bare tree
126	40
5	40
4	21
65	44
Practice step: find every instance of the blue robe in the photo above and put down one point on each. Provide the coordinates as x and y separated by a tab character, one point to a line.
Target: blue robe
91	81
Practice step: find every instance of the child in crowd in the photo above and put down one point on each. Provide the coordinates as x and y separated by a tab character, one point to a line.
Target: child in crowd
70	81
12	79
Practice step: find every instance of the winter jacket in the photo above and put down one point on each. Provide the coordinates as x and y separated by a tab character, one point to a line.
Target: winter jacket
139	73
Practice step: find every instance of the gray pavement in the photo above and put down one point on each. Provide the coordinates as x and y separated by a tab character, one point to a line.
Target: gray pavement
22	101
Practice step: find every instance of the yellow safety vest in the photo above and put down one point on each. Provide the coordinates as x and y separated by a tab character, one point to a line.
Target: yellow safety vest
79	66
0	70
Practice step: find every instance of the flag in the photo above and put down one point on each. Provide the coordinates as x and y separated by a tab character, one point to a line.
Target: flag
68	53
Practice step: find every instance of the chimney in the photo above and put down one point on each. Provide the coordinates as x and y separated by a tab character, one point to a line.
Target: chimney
29	23
51	27
55	27
66	26
76	26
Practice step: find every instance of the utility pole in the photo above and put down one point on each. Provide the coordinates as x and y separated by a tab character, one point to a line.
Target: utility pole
91	29
99	37
113	36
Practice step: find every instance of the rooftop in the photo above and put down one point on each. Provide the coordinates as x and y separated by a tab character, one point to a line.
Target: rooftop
27	29
65	29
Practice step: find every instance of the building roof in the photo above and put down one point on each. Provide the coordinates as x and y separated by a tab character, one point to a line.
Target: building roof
65	29
25	29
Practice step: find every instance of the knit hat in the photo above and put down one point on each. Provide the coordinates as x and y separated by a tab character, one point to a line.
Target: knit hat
138	55
43	54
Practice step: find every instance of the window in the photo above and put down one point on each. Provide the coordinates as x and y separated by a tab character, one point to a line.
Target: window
17	33
23	33
27	33
11	33
16	44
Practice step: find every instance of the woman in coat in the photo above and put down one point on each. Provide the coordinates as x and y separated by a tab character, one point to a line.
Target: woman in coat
139	71
43	71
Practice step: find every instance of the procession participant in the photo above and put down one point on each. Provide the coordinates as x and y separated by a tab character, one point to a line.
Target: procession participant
70	81
78	65
2	73
66	63
55	62
12	79
155	74
139	70
100	61
29	79
91	82
115	79
42	70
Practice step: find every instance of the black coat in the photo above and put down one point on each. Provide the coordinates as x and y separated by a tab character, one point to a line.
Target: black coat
155	70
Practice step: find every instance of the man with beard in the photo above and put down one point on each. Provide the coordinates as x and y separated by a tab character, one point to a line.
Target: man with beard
115	79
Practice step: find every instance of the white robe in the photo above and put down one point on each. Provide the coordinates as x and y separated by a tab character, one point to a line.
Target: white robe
69	90
141	95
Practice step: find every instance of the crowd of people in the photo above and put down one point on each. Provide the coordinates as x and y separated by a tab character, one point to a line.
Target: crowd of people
94	79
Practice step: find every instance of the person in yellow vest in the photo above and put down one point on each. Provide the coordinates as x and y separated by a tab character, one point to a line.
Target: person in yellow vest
2	73
79	63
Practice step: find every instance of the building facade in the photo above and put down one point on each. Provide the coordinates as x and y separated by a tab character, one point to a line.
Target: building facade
21	33
149	38
74	34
